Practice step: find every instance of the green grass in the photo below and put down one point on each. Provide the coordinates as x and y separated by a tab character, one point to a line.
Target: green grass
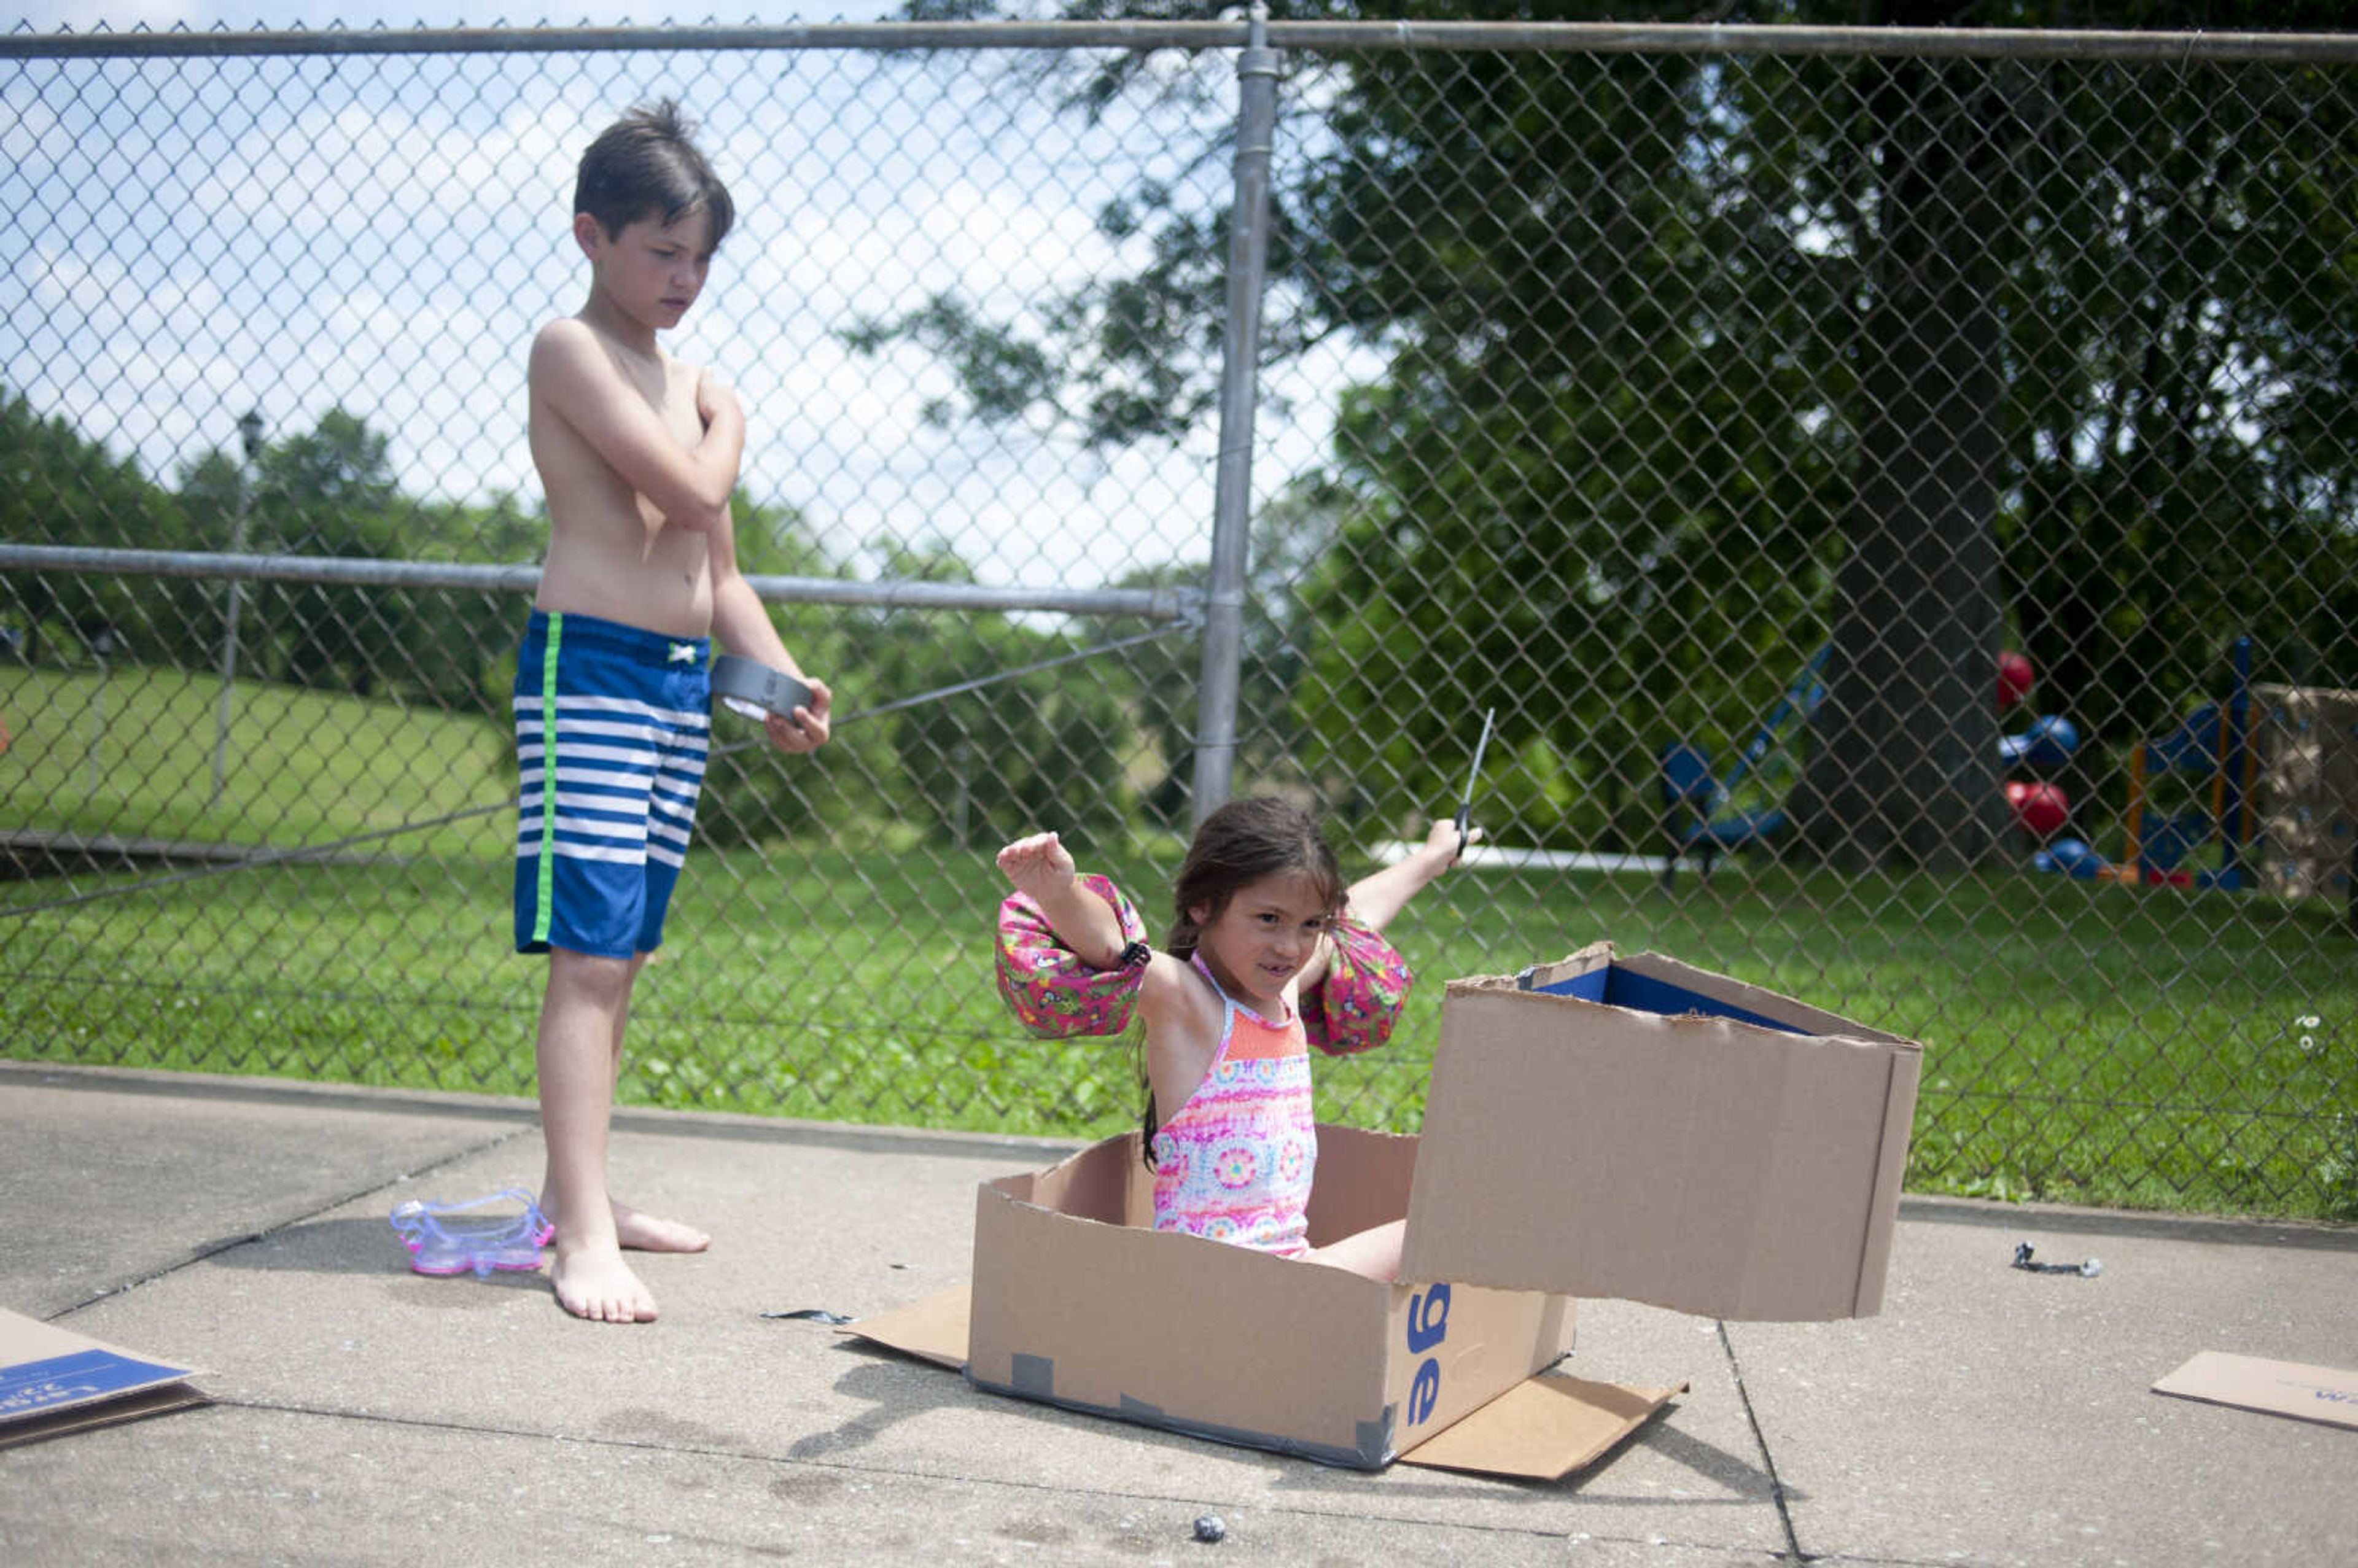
133	755
2084	1042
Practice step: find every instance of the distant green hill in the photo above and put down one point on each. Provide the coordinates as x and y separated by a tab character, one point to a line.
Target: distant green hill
132	754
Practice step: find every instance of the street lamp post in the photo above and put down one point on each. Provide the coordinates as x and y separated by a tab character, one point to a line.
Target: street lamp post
249	434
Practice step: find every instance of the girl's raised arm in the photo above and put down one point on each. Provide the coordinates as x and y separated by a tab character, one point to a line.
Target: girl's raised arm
1042	867
1377	897
1098	967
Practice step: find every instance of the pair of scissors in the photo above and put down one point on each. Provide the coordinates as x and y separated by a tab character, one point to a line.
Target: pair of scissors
1466	812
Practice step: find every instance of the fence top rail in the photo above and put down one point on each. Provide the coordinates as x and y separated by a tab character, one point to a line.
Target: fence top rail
1596	38
1176	604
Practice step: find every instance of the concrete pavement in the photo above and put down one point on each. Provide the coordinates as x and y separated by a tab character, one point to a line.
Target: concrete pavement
367	1414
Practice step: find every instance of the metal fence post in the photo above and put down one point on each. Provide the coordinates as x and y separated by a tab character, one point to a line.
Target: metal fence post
1224	609
249	434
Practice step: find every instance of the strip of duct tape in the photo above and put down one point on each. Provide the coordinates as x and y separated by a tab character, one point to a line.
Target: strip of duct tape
756	690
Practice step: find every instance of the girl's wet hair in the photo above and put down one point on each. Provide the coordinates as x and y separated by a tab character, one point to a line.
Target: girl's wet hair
645	165
1239	843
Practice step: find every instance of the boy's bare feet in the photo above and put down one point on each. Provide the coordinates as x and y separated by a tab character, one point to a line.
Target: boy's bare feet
593	1283
648	1234
639	1232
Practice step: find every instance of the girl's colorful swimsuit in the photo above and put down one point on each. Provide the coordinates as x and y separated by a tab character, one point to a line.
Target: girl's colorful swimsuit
1235	1164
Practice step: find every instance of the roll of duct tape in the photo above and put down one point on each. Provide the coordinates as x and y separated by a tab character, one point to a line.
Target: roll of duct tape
756	690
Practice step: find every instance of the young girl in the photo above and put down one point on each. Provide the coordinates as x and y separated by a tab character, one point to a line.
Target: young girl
1268	953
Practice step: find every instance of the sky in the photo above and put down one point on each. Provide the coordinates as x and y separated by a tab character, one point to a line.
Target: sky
383	233
85	15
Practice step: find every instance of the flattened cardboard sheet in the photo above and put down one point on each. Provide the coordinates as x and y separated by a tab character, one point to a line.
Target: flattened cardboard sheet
53	1381
2325	1394
1543	1428
932	1329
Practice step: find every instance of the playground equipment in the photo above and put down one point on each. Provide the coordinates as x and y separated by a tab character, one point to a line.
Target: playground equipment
2214	740
2293	748
1697	814
2042	808
2049	742
2040	805
1700	817
2307	798
2273	770
2013	679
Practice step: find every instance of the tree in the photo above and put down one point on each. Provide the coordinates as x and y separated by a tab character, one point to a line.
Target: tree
2185	471
1696	362
331	492
58	488
1515	525
1905	761
981	767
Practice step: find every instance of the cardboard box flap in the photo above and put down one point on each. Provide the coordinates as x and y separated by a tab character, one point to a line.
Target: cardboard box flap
1650	982
932	1329
1639	1130
53	1380
1542	1429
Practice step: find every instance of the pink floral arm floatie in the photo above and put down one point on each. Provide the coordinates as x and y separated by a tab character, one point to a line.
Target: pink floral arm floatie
1367	983
1052	993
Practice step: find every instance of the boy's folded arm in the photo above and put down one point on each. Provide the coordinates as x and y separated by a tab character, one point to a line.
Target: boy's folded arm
573	375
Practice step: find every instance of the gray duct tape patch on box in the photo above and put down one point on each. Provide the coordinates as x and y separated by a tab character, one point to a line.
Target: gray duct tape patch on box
744	687
1034	1377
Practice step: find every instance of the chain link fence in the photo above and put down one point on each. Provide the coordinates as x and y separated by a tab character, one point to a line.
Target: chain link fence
1896	495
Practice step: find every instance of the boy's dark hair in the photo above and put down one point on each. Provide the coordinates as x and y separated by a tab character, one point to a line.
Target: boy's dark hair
645	165
1242	842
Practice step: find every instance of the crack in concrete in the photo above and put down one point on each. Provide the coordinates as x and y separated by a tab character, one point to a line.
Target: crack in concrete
1760	1440
231	1243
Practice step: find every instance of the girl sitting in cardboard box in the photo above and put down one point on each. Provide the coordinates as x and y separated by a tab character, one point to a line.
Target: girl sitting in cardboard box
1268	953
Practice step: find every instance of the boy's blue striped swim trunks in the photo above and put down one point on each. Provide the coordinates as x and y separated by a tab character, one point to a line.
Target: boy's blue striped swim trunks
603	815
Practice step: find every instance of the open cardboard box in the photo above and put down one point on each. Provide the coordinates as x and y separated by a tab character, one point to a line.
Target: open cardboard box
1604	1127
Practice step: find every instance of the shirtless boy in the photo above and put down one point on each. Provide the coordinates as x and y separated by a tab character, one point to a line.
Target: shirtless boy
638	454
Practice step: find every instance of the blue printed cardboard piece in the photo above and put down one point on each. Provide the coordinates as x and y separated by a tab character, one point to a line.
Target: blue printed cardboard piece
1599	1103
2325	1394
53	1381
